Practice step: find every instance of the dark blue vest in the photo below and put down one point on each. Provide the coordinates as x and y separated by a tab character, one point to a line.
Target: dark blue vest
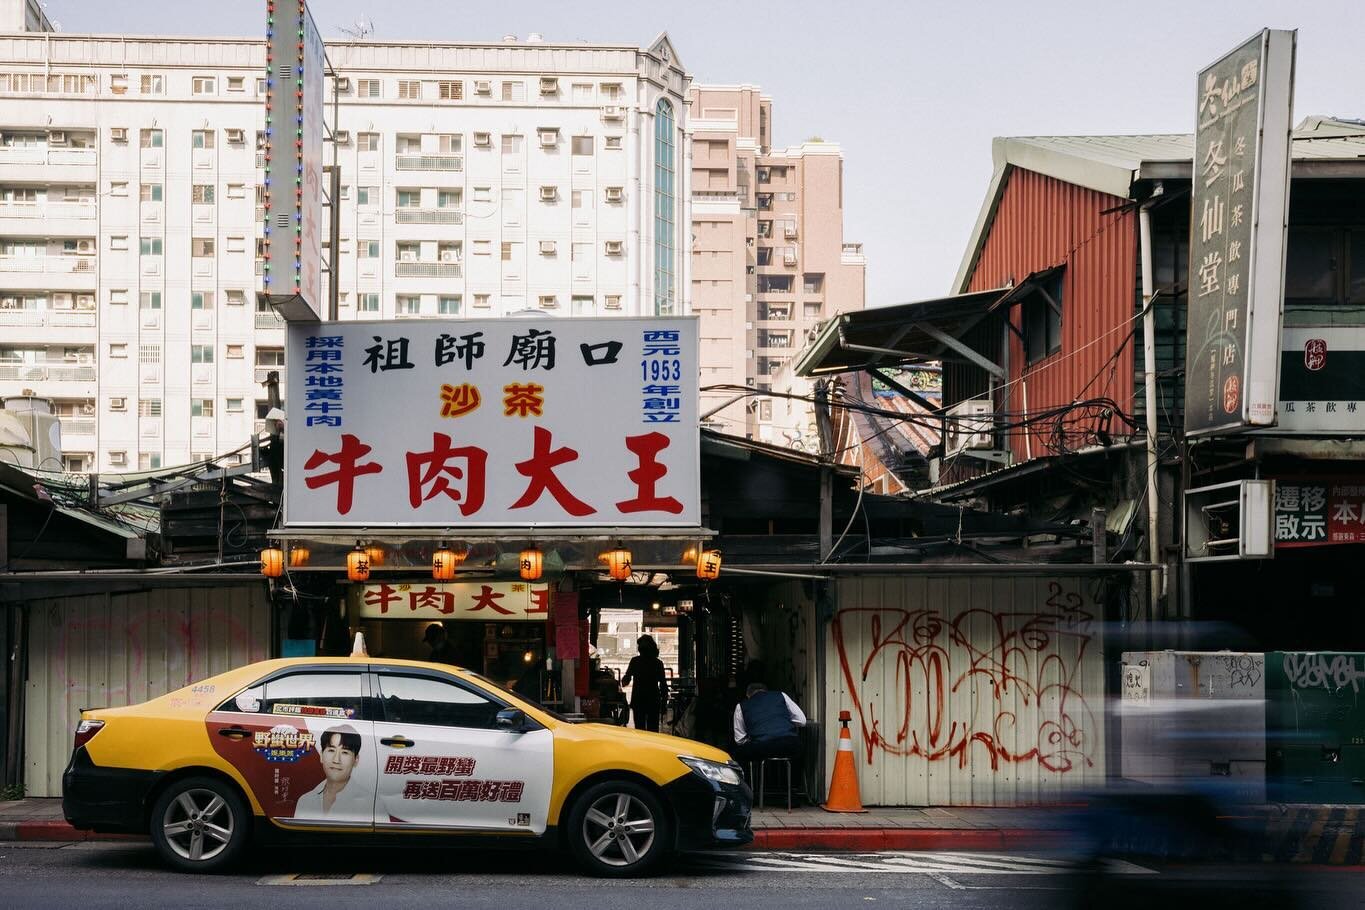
766	717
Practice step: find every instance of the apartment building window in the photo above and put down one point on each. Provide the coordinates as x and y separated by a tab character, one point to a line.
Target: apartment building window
514	91
367	88
611	142
765	255
367	249
201	407
664	200
150	192
448	251
204	85
580	306
765	229
151	139
202	194
118	242
481	300
582	145
152	84
448	305
409	199
813	283
238	245
408	251
508	251
450	143
201	300
118	297
366	196
119	403
149	407
612	301
236	83
449	199
150	246
811	310
118	351
409	144
236	352
260	86
270	357
201	353
483	247
612	91
367	142
512	144
201	248
236	191
236	298
449	90
148	461
149	354
234	406
483	194
118	188
367	303
409	90
118	83
407	305
775	284
1042	319
582	93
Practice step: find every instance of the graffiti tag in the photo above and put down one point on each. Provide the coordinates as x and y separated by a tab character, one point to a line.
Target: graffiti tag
1324	671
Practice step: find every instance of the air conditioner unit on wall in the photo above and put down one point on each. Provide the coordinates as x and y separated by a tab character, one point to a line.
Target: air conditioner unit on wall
613	112
970	426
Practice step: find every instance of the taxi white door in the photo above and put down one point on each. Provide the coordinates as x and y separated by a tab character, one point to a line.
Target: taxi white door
445	763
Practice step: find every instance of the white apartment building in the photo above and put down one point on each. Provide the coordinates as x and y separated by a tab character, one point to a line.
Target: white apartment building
477	181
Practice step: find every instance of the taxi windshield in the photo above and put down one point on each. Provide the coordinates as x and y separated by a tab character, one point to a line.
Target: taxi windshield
504	691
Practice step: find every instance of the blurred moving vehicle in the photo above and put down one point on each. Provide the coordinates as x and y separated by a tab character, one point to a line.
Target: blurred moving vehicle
360	749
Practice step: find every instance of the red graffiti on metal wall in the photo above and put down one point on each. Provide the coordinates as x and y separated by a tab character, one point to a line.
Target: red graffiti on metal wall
1026	661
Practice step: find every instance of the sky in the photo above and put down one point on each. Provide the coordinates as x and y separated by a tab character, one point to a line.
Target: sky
913	92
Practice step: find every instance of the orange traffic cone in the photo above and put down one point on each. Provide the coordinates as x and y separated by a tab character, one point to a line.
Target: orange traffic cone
843	786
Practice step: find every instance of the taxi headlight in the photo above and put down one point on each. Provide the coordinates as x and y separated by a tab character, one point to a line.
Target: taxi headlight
716	772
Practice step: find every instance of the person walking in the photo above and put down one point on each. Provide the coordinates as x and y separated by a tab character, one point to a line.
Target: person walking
650	695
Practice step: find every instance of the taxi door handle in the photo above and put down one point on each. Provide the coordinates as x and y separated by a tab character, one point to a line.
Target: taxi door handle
234	732
397	742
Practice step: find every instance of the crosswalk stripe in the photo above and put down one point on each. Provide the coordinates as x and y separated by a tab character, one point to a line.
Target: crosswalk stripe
900	862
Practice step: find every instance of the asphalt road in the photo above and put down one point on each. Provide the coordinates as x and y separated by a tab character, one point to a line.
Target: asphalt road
127	876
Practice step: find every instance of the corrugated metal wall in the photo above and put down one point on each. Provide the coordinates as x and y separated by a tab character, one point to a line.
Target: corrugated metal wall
1040	223
968	690
108	650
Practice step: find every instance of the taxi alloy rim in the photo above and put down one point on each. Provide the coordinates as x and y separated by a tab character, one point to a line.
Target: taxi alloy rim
619	829
198	825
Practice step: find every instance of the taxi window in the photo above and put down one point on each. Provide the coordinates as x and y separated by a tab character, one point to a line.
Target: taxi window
315	694
434	702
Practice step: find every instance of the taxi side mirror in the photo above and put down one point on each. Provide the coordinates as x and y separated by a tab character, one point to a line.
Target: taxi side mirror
512	720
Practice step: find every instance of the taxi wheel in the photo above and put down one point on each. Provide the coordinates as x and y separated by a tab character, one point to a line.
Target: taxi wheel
199	824
618	829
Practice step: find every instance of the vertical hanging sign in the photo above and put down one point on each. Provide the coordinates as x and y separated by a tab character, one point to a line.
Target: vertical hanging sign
1239	209
292	242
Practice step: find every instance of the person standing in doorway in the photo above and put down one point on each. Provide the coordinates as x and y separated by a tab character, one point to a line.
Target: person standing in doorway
442	652
650	695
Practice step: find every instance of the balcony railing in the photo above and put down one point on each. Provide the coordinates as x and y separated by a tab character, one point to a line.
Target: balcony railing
429	162
429	216
77	426
426	269
46	156
269	321
61	371
43	211
56	265
37	318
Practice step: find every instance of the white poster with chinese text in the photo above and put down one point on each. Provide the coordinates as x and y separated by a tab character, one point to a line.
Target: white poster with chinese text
519	422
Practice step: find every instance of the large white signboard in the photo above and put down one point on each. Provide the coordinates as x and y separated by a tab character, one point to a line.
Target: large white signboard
520	422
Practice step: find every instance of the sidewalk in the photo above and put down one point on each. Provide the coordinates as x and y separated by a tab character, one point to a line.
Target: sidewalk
1321	835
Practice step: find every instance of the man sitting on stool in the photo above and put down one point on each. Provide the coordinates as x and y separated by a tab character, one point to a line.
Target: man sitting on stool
765	725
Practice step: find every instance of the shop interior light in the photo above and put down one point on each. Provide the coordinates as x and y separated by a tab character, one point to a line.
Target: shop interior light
358	564
376	554
618	562
272	562
531	563
298	556
689	556
528	656
708	565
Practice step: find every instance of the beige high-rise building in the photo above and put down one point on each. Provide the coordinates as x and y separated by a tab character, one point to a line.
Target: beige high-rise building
769	260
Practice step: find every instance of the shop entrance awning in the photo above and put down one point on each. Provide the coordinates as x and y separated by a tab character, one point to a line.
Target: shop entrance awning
909	333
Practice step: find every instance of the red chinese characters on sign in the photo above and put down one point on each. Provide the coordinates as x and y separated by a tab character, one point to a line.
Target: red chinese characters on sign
430	474
457	600
647	448
1314	354
487	599
348	469
540	469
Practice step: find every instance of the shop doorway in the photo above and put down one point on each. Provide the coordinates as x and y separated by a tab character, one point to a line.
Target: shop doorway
510	654
618	632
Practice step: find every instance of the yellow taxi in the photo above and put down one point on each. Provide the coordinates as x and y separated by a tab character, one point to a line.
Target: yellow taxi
365	749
